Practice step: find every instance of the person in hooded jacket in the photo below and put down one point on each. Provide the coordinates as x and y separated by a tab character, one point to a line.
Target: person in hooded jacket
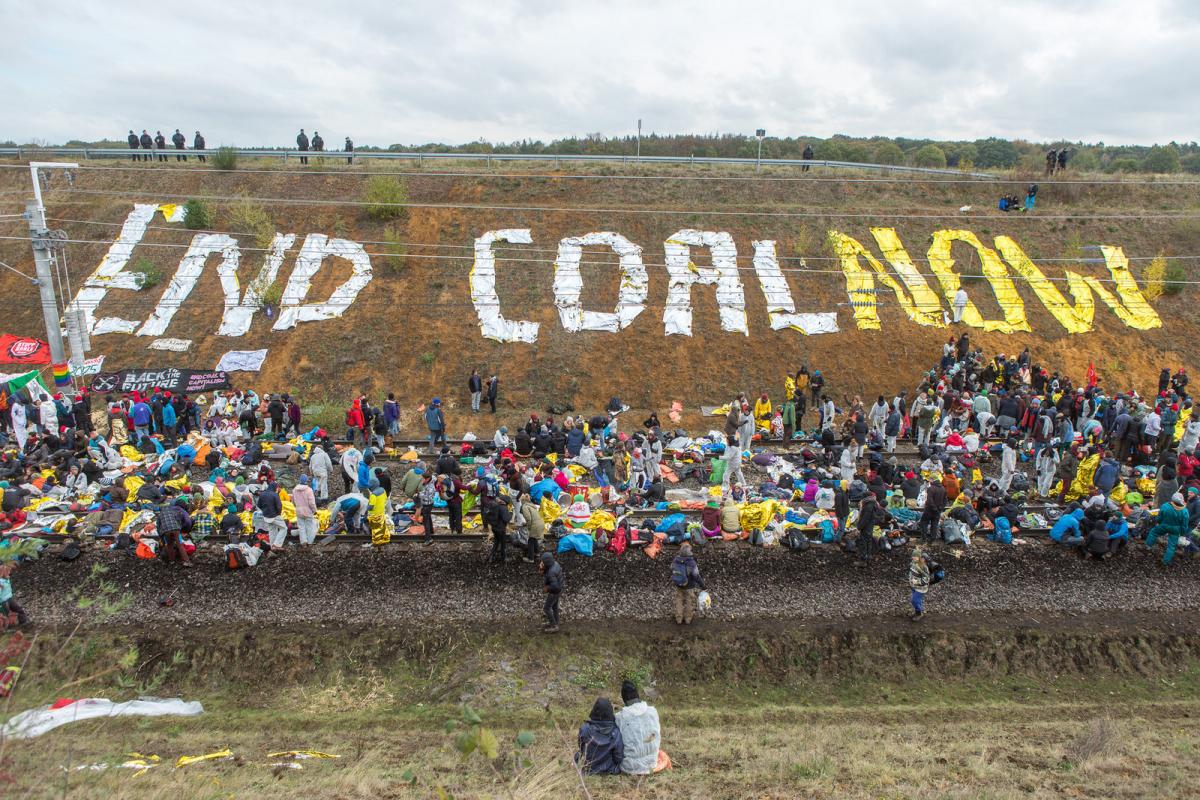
685	576
601	747
640	730
553	580
1173	523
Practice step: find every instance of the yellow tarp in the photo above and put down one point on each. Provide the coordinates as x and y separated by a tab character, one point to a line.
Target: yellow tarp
1184	416
924	307
601	520
549	510
132	484
942	263
1129	304
185	760
302	754
1081	487
757	515
131	452
1075	317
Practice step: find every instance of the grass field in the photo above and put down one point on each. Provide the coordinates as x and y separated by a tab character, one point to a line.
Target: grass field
731	733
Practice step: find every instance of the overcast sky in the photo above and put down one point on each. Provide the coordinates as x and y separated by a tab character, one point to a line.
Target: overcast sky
383	71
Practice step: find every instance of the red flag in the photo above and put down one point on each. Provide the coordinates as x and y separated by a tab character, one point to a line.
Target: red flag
1092	378
23	350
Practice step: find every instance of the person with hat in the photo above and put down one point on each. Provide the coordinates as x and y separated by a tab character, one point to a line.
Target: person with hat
272	511
640	730
1173	522
435	420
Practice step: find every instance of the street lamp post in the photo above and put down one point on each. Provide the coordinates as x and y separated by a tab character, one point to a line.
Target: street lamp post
760	134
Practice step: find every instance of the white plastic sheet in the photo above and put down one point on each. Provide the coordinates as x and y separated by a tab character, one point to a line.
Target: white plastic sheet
242	360
37	721
318	247
568	284
109	274
731	299
492	323
188	273
172	345
781	310
237	318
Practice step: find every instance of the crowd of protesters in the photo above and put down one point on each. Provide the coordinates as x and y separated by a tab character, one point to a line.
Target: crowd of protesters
992	447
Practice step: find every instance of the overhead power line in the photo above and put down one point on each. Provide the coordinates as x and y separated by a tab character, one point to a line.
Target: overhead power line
634	211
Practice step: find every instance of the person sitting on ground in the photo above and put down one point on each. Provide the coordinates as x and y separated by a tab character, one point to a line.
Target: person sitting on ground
1067	529
640	731
601	747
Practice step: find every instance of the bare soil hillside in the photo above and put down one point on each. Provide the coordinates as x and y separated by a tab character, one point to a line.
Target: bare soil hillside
413	329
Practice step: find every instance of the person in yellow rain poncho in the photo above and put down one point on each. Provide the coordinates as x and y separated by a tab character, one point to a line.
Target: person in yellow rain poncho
762	411
1081	487
377	519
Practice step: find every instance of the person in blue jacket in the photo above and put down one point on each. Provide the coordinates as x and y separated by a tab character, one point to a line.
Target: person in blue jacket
1066	530
601	747
363	479
1002	533
1118	532
1107	474
170	423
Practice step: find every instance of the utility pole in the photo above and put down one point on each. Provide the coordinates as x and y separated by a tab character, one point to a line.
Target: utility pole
759	134
639	149
43	242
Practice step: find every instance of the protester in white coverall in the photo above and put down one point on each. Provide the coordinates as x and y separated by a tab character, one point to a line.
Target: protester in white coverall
960	304
20	423
1008	463
320	466
640	729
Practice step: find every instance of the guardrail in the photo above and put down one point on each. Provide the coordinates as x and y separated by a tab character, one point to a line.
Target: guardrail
88	153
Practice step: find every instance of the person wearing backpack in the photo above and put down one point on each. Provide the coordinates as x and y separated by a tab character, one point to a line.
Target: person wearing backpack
685	577
919	579
450	489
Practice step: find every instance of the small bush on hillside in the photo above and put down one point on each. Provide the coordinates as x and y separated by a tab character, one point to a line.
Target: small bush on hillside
1155	275
225	158
1100	737
385	196
1173	281
197	215
269	294
395	251
247	216
150	275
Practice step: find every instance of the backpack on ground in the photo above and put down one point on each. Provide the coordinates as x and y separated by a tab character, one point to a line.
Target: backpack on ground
235	558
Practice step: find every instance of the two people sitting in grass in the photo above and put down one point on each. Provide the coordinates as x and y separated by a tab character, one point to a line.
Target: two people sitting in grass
626	742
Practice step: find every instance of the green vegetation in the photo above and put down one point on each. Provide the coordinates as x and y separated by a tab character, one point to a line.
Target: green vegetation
198	215
1174	278
385	196
249	216
225	159
151	275
930	156
396	251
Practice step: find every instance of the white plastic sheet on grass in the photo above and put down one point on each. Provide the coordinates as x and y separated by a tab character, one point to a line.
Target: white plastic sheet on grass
238	316
781	310
731	298
37	721
318	247
171	345
568	284
492	323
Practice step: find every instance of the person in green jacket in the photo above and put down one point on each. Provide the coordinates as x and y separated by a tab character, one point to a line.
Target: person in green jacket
789	419
1172	523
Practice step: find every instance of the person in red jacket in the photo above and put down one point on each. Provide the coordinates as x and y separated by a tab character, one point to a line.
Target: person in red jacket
355	421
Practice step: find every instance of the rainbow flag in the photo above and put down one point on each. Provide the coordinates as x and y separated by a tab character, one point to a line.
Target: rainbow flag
62	374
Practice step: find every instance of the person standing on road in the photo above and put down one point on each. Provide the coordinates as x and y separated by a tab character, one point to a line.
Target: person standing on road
918	581
348	147
475	387
318	144
302	145
685	577
147	144
179	142
133	145
198	144
160	145
553	579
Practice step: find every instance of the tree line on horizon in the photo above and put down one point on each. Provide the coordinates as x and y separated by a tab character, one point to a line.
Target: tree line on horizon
990	153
